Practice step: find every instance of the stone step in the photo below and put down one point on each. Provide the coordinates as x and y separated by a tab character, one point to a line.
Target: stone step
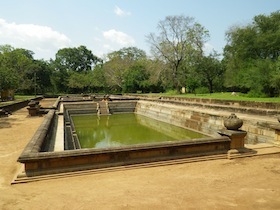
103	108
229	108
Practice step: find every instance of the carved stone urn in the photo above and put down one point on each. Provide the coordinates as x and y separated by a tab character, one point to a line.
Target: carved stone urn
233	122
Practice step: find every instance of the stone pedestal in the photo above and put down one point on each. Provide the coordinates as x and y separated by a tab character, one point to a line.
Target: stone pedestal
33	108
277	134
236	137
33	111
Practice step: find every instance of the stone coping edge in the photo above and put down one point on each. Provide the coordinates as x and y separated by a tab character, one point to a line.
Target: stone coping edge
36	142
32	153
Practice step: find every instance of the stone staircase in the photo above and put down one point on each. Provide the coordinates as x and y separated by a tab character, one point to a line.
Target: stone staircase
233	106
122	106
103	108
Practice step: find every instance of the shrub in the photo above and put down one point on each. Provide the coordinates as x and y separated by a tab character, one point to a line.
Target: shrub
201	90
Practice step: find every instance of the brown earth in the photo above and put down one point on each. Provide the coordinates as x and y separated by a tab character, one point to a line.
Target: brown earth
246	183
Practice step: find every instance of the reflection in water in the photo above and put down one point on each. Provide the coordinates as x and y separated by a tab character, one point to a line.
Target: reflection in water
126	129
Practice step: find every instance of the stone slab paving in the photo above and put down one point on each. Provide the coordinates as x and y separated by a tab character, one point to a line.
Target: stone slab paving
59	137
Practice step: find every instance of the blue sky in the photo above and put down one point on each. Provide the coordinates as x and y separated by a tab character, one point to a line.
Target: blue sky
44	26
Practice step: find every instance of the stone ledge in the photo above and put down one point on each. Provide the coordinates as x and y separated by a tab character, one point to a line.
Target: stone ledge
38	163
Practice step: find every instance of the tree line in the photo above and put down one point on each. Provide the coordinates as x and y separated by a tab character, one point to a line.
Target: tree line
250	63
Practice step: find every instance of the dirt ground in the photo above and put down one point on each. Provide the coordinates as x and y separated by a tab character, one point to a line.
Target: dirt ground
246	183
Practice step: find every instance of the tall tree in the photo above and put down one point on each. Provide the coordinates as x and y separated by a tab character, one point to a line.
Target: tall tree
70	60
178	38
119	62
78	59
210	72
16	62
97	80
39	73
135	78
250	54
157	81
78	82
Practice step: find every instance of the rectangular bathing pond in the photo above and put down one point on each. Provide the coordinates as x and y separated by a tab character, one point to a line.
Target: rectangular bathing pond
118	130
93	141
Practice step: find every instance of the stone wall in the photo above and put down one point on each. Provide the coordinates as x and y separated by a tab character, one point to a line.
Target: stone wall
122	106
44	163
180	116
208	121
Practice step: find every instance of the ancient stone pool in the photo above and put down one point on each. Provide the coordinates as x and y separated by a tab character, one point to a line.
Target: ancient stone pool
115	146
128	129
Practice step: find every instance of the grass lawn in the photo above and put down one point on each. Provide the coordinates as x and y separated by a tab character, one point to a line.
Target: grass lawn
223	96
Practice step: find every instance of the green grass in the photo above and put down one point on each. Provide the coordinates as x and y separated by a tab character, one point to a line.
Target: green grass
223	96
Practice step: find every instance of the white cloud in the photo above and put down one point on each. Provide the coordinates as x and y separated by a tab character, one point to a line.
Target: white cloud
119	12
208	48
108	47
42	40
105	42
118	37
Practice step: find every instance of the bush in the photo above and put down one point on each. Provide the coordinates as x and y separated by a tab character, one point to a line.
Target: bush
201	90
256	94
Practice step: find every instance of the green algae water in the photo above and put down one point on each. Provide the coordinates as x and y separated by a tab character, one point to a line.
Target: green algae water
126	129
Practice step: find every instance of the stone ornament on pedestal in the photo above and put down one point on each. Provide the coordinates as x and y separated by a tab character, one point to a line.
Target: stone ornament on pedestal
233	122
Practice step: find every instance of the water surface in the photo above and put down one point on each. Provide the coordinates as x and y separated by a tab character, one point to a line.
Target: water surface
126	129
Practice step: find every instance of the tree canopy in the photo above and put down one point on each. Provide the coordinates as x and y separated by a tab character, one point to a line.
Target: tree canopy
251	54
180	38
250	63
120	65
72	66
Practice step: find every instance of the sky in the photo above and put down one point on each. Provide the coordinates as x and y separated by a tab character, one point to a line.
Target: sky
103	26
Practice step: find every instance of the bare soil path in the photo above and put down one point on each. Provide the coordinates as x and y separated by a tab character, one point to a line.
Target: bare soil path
247	183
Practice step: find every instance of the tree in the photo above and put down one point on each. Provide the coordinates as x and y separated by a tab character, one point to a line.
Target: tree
15	63
135	78
78	82
70	60
119	63
210	72
275	78
128	54
39	73
9	78
78	59
97	80
179	37
251	53
157	81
